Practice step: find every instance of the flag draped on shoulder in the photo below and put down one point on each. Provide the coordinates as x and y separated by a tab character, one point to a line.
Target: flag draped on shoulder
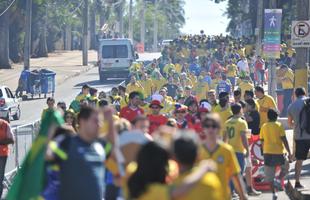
29	181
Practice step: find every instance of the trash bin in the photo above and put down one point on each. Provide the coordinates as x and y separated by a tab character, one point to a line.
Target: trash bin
47	81
34	86
24	77
280	99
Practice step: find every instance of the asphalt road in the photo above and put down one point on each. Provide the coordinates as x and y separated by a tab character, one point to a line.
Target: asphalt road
31	109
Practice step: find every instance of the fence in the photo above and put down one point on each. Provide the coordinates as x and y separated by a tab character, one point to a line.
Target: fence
24	136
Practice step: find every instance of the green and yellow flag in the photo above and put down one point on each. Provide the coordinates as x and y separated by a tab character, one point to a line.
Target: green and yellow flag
30	179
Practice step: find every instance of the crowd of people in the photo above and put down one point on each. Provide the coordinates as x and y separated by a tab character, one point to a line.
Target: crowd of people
179	128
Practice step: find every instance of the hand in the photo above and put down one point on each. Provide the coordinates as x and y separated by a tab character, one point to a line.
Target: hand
108	113
207	165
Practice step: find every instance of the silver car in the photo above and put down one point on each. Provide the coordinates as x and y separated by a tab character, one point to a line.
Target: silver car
9	105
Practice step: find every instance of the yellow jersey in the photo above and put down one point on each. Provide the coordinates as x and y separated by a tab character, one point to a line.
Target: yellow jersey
288	82
227	164
265	102
201	90
244	86
148	87
232	70
158	84
209	187
168	68
234	128
271	133
178	68
134	87
224	115
156	191
124	101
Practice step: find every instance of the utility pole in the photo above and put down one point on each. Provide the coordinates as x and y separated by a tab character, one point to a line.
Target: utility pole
272	83
85	33
142	30
155	39
130	21
27	46
259	25
302	54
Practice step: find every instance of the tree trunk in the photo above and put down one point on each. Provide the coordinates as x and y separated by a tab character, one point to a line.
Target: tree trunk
14	42
42	48
4	42
92	28
68	38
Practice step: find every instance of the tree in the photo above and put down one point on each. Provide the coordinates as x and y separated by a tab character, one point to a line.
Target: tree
4	37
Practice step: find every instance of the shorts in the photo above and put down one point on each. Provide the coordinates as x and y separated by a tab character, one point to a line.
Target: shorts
271	162
302	149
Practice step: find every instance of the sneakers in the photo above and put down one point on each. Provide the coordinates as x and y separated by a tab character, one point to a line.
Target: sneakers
253	192
298	185
274	196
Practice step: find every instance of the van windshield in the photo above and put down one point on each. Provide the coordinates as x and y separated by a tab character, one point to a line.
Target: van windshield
114	51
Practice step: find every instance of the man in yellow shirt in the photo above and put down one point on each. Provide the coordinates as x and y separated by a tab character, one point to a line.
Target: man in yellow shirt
168	67
235	134
223	154
134	86
265	103
185	151
223	108
147	84
287	80
272	136
232	72
201	89
244	85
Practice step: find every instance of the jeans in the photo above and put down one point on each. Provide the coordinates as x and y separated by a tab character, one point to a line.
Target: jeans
287	100
260	77
241	161
2	171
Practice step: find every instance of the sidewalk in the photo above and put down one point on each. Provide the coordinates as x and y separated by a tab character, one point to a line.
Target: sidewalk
305	176
66	64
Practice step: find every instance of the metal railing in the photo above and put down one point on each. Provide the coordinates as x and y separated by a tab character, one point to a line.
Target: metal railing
24	136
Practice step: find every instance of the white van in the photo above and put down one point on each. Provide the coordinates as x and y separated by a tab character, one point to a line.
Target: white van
114	58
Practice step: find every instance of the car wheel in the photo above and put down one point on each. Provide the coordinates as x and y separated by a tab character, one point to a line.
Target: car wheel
17	115
8	119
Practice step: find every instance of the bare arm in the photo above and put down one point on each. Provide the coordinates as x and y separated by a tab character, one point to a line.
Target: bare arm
290	121
239	186
245	143
191	180
287	147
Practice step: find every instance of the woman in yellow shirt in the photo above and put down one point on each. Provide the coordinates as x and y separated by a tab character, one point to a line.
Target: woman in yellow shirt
148	182
287	80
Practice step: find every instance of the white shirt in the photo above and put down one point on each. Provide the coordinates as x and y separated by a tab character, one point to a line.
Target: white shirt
243	65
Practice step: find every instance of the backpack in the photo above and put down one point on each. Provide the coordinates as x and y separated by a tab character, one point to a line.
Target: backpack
304	118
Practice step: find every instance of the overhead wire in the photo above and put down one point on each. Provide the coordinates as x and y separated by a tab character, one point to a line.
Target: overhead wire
7	8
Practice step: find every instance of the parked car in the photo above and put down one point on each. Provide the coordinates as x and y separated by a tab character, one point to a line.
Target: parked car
9	105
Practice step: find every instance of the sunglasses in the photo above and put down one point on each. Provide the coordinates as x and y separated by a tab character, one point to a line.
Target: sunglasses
182	112
155	107
214	126
69	117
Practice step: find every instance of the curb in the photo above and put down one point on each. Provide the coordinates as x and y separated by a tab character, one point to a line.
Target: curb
295	194
86	69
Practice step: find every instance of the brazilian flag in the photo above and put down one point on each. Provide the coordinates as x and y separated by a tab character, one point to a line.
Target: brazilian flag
30	179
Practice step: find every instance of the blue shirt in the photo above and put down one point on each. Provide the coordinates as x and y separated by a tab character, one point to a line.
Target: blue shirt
82	174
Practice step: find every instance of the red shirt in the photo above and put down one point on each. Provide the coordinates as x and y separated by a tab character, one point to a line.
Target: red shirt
5	133
259	65
130	114
156	121
186	125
